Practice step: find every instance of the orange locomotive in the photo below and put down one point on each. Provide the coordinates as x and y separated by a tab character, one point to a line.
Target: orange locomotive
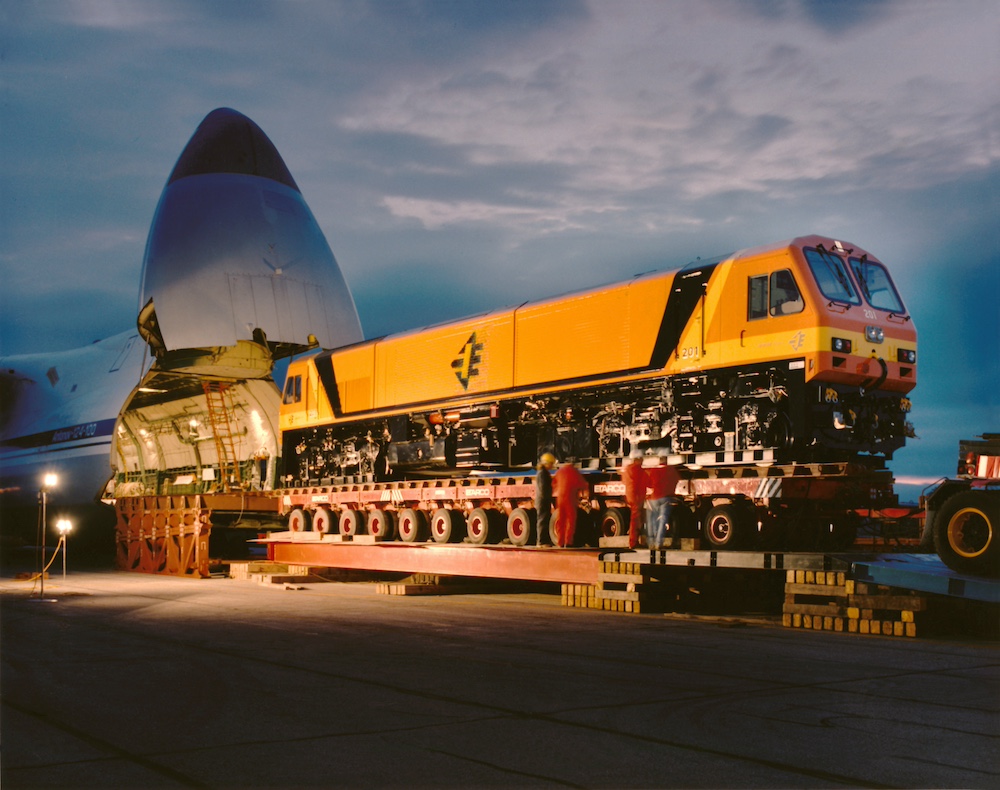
793	352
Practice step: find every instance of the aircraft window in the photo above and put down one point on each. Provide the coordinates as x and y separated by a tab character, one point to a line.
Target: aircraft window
831	276
876	285
293	390
757	297
785	296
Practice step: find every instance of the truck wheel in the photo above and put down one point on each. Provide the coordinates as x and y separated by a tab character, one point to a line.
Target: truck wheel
298	520
520	526
484	525
726	527
323	521
382	524
965	533
614	522
447	526
412	526
352	522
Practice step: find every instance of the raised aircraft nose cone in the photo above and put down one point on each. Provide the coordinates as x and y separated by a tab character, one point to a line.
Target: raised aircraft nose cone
235	254
229	142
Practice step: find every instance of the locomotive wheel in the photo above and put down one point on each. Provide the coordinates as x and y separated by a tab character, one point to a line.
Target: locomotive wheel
412	526
352	522
446	526
484	525
726	527
382	524
521	526
614	522
298	520
323	521
965	533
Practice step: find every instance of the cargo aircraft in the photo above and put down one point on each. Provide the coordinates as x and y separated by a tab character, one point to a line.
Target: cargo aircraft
236	275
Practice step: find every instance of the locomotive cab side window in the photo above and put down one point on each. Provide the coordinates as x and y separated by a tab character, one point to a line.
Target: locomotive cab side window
785	297
757	297
774	294
832	277
876	285
293	390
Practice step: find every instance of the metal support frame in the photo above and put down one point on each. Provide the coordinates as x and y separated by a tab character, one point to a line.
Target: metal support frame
578	566
163	534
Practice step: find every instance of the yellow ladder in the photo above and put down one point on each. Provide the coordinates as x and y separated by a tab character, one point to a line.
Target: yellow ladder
220	416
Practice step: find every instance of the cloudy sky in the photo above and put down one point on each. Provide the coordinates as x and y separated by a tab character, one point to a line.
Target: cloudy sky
468	155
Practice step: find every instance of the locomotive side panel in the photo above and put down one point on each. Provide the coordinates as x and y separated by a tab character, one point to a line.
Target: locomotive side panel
458	360
355	382
573	337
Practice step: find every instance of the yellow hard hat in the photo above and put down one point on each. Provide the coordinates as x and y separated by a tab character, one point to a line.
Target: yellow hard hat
547	459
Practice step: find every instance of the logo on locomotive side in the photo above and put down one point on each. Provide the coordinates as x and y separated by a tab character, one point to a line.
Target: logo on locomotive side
466	364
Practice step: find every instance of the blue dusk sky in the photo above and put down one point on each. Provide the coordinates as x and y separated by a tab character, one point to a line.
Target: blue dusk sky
462	156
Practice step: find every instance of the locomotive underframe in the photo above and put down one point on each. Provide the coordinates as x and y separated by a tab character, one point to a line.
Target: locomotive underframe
736	410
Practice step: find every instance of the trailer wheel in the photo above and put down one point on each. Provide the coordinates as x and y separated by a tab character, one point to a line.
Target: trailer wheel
352	522
965	533
323	521
614	522
298	520
520	526
484	525
447	526
382	524
412	526
726	527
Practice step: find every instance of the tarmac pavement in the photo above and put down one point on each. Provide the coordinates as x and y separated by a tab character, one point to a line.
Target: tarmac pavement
133	681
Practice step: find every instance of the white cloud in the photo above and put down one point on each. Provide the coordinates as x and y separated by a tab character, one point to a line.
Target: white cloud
701	101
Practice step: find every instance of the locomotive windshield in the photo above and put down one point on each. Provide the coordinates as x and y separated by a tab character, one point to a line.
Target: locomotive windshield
832	277
876	285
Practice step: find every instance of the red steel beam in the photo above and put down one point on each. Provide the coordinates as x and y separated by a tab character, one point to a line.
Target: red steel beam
572	566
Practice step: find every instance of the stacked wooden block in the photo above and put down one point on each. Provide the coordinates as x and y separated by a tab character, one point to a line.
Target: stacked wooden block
621	587
829	601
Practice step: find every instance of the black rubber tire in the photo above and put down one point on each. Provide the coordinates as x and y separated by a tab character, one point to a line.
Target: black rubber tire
966	533
447	526
727	527
382	524
323	521
352	522
521	526
484	525
412	526
299	521
615	522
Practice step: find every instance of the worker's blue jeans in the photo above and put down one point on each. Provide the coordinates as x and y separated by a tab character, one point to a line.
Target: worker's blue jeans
657	518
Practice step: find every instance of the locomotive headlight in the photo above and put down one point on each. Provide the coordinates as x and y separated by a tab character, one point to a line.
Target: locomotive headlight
874	334
907	356
841	346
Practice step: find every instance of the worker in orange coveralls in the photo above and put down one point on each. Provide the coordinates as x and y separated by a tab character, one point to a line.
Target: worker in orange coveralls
663	480
566	486
636	481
